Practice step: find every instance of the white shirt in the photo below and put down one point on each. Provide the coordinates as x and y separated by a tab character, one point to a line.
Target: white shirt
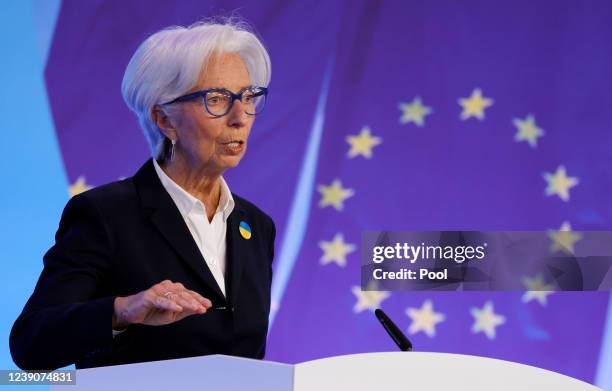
209	236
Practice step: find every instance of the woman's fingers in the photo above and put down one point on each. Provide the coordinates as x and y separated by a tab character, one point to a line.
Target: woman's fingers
167	304
163	303
187	295
181	302
192	297
201	299
168	287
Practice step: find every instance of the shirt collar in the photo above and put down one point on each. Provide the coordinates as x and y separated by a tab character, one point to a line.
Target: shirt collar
185	202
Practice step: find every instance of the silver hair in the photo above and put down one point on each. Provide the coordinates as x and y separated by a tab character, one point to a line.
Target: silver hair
168	64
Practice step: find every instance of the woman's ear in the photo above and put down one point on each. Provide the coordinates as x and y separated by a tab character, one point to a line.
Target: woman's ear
163	122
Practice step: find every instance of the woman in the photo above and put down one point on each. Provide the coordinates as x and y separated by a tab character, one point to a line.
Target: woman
167	263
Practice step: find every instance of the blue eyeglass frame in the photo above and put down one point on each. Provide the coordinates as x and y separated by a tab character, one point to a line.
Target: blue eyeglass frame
202	94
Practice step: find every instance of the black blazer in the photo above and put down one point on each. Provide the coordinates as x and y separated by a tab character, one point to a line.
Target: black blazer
120	239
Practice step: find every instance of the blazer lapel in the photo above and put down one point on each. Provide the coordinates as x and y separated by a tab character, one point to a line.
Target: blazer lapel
167	219
237	252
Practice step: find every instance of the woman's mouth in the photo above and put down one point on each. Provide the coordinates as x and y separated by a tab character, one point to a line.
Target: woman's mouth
233	147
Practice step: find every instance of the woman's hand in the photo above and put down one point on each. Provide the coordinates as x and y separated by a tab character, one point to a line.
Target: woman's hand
163	303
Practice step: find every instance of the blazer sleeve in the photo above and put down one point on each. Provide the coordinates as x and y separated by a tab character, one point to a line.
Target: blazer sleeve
66	316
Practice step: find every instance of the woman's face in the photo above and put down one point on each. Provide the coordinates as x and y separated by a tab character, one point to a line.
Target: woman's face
204	141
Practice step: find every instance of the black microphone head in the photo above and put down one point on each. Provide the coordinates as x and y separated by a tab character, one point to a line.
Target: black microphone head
394	332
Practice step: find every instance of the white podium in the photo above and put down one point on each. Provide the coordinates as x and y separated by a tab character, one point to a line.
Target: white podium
359	372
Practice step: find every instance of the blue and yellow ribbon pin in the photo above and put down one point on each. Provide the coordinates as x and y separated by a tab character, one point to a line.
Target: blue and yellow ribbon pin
245	230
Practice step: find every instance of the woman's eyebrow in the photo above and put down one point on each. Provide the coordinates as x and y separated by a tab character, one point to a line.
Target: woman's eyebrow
225	88
245	87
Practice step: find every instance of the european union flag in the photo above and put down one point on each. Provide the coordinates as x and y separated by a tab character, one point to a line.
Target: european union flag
413	116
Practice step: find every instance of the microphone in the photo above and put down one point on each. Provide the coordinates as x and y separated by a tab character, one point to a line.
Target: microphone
396	334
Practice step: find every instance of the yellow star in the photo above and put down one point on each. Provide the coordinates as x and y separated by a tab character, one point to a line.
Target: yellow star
564	239
414	112
78	187
559	183
424	319
527	130
334	195
475	105
336	250
362	144
486	320
368	299
536	289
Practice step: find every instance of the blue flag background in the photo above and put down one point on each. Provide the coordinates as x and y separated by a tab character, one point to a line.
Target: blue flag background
434	115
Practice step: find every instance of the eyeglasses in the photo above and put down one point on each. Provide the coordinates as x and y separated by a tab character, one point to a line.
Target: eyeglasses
219	101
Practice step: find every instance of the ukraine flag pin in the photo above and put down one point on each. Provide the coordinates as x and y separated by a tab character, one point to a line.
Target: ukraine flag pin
245	230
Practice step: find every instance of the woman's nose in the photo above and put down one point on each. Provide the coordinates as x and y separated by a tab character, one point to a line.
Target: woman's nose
237	115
